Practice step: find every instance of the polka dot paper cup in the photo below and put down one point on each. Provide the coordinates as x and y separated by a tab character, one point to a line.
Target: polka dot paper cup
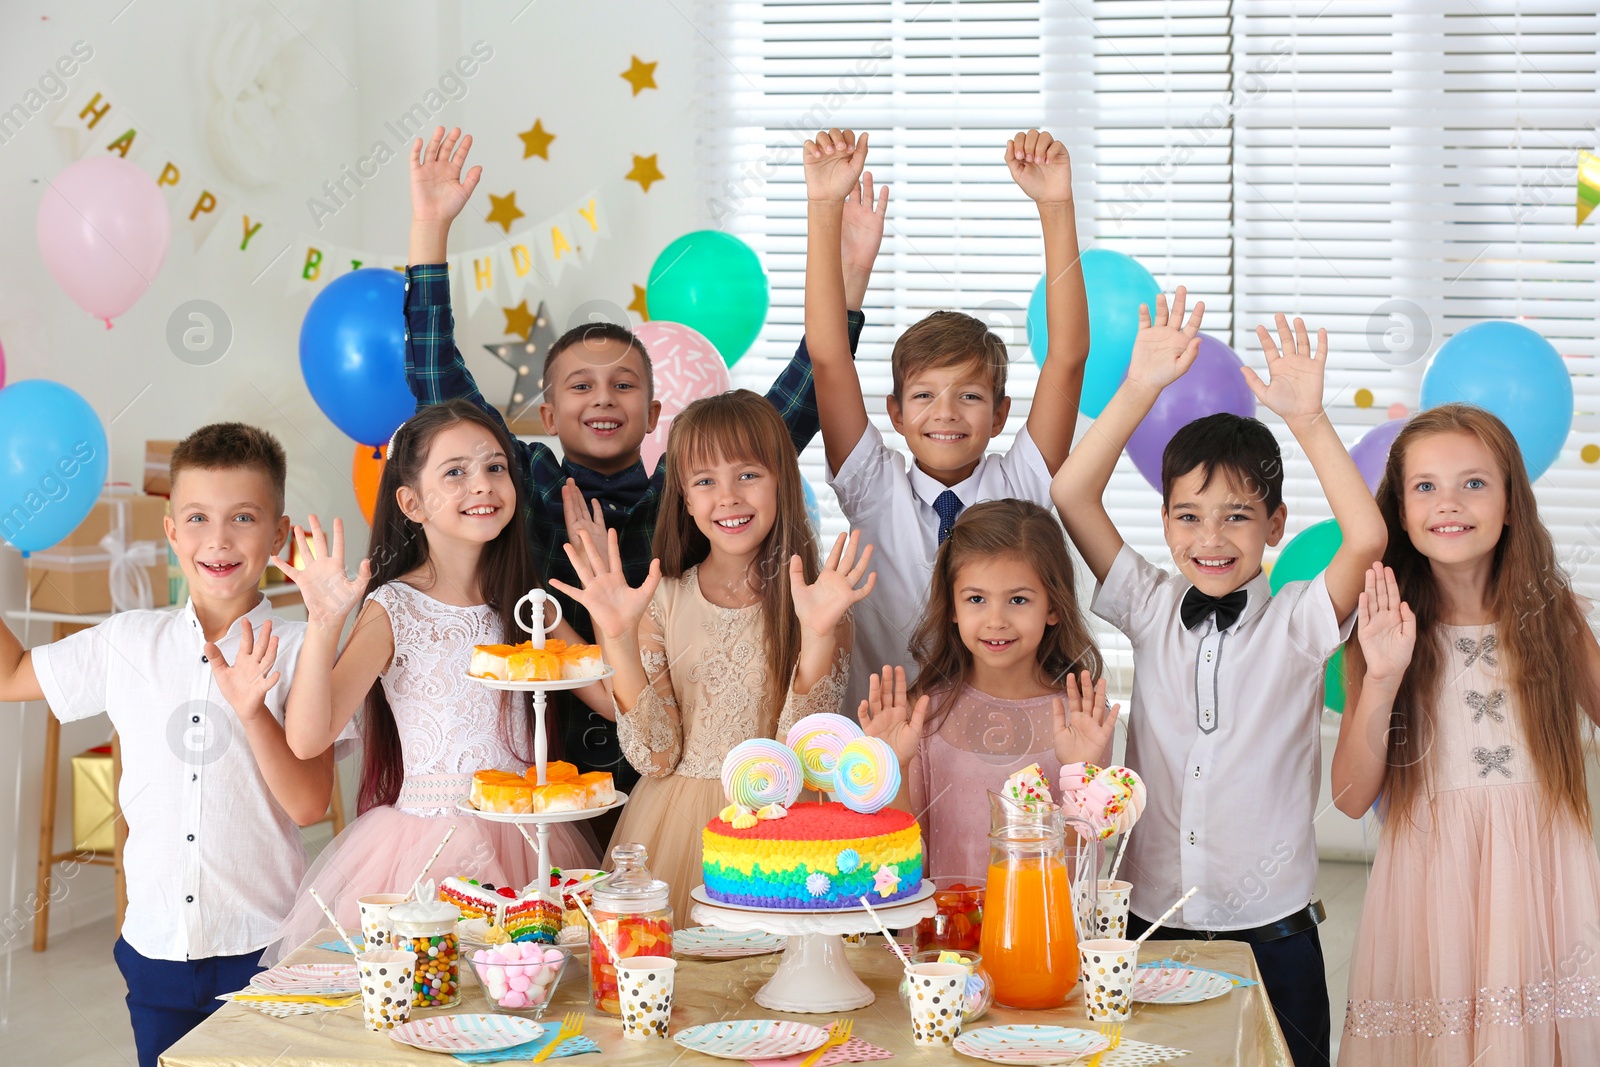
386	986
937	991
376	928
1108	969
644	988
1111	909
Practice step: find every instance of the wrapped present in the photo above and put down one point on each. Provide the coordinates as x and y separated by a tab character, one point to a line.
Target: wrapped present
94	801
158	467
114	561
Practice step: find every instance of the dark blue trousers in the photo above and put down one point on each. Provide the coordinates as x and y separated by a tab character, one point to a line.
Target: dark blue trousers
168	998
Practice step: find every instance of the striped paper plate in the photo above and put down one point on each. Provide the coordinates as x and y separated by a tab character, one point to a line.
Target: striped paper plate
712	943
319	978
1178	985
1029	1044
466	1033
751	1039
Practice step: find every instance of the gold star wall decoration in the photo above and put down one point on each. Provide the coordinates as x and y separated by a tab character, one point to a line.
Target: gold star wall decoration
644	172
639	307
519	320
640	75
526	358
503	210
536	141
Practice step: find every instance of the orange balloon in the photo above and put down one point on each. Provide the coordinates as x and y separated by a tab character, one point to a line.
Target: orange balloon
366	469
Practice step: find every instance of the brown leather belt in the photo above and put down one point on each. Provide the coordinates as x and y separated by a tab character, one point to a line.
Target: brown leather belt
1297	923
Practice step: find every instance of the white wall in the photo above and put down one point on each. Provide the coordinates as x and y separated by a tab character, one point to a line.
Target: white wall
342	71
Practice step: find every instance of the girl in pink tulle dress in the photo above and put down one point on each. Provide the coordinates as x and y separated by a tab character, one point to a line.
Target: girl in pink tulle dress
447	565
1472	669
1000	644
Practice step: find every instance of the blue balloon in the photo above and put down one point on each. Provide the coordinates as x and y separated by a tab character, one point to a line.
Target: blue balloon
353	354
1116	285
52	462
813	509
1509	370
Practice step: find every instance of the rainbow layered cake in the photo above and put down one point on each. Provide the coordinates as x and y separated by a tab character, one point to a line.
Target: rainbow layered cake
528	917
818	856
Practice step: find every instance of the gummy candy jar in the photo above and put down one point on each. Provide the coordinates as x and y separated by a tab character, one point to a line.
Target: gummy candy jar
979	992
428	928
958	924
632	917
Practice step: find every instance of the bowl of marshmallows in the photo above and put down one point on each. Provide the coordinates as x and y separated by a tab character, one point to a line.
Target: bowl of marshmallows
520	976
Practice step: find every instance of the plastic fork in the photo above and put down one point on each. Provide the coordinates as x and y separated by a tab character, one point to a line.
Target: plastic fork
1113	1032
571	1026
838	1034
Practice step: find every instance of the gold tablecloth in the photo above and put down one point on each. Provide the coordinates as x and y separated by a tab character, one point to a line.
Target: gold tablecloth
1238	1028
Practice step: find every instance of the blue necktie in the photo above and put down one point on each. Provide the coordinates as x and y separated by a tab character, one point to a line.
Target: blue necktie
948	506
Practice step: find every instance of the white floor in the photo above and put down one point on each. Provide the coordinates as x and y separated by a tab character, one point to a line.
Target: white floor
65	1006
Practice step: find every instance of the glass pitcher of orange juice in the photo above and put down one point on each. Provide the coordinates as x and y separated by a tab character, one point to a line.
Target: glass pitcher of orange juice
1029	942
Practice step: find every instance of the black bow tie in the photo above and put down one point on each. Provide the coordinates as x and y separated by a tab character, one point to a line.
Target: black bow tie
1197	606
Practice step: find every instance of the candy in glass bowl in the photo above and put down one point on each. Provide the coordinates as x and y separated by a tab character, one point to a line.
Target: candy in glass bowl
959	920
520	976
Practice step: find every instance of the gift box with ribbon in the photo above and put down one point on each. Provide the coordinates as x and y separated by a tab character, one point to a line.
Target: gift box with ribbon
116	560
94	801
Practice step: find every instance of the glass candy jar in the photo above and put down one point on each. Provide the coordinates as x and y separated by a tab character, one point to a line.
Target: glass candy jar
632	917
428	928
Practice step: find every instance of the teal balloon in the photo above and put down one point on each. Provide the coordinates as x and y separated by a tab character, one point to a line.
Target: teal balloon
813	509
1116	285
714	283
1307	555
1511	371
53	460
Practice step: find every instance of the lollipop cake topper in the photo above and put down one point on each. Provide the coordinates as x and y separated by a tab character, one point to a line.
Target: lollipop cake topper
763	777
818	740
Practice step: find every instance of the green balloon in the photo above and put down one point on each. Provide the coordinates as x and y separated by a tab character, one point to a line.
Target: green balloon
1307	555
711	282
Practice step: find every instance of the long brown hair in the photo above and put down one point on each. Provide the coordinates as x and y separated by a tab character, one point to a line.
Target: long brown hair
505	574
1537	626
1008	529
742	426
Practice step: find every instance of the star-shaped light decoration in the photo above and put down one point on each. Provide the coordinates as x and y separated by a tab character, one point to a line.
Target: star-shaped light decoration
640	75
639	307
886	880
644	172
503	210
526	358
536	142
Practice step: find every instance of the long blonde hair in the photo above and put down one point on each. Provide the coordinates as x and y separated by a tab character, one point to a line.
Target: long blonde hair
1538	626
742	426
1008	529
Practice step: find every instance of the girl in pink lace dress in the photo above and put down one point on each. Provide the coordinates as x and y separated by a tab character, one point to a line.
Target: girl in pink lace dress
735	634
447	565
1001	642
1480	936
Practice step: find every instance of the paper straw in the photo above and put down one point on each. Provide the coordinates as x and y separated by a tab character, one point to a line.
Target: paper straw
426	867
1167	914
886	935
337	928
1122	847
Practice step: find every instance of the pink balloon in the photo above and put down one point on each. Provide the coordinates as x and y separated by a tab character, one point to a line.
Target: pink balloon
687	368
104	228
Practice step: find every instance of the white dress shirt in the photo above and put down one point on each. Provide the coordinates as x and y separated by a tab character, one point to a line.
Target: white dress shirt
1225	731
211	861
891	503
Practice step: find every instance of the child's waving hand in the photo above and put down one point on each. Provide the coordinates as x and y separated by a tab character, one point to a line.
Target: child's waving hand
822	604
1386	628
1294	385
1165	347
1040	166
329	593
614	606
438	189
833	162
885	714
246	681
1085	724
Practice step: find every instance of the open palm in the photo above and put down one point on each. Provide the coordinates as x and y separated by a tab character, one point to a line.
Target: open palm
328	592
886	715
438	189
821	604
1387	629
614	606
1084	725
1294	374
1165	346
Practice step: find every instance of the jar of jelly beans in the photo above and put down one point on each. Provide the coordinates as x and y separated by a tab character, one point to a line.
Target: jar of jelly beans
632	918
428	928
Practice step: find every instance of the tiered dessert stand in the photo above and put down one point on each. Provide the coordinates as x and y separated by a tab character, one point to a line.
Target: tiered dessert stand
537	629
813	976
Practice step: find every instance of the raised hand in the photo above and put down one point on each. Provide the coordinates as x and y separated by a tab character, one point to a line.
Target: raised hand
246	681
1385	626
1164	347
329	593
614	606
1294	385
884	714
833	162
1040	166
1085	723
821	604
438	189
862	233
579	517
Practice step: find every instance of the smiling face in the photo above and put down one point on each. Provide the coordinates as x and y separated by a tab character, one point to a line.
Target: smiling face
596	402
224	527
1218	533
1001	611
464	489
733	502
1453	498
948	416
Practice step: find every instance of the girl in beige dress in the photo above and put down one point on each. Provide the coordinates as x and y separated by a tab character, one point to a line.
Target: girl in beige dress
736	633
1480	935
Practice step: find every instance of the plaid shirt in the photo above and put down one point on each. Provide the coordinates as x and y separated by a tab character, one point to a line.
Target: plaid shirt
630	499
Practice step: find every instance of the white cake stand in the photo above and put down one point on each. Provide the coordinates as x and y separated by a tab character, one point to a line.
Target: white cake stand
813	975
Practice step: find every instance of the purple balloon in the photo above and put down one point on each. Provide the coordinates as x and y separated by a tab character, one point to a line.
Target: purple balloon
1372	451
1212	384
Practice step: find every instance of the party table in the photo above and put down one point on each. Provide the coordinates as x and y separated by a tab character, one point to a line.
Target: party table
1238	1028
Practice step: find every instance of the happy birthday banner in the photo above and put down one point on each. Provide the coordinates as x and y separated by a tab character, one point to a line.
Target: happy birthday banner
535	255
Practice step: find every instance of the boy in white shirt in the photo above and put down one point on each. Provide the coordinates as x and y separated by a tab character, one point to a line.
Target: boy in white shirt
213	796
1227	685
949	398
